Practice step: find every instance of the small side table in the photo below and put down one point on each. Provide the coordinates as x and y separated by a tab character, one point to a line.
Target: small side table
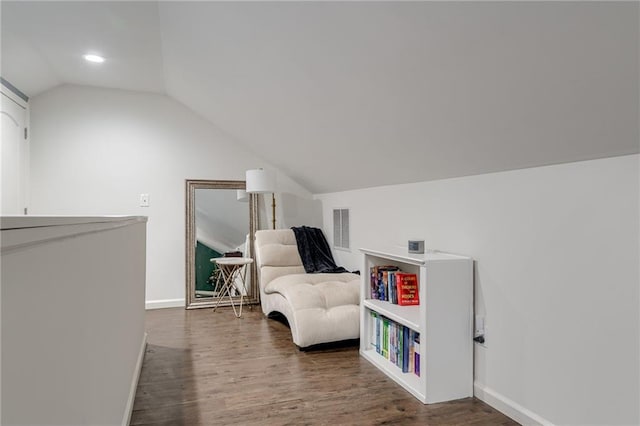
232	269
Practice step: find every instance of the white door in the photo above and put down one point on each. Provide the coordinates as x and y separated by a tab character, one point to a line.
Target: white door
14	154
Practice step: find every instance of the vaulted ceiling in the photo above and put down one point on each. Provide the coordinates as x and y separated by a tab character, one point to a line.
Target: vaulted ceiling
344	95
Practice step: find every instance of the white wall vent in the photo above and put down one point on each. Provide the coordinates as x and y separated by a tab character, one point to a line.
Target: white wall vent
341	228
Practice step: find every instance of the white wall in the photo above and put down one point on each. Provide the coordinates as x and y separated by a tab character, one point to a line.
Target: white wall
72	319
94	151
556	251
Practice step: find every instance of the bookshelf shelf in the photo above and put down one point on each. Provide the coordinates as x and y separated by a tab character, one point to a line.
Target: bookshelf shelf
444	321
409	316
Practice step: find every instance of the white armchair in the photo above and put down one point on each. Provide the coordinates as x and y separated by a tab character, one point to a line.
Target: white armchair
320	308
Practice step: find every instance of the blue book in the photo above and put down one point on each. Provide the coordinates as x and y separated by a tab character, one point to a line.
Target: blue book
416	345
405	349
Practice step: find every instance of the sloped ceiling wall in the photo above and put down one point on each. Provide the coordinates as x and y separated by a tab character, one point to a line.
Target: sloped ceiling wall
345	95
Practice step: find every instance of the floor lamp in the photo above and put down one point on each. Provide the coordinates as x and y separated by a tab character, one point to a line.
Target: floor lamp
260	181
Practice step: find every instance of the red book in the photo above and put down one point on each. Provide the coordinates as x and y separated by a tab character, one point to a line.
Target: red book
408	290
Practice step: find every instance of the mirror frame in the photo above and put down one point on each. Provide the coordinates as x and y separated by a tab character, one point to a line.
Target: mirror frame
253	295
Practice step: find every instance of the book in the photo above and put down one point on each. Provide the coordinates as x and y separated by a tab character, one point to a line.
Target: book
385	338
405	349
378	334
393	292
407	289
384	284
374	282
374	331
393	343
390	286
416	357
399	360
383	280
412	351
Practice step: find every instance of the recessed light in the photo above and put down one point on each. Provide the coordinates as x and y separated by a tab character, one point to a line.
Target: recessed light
93	58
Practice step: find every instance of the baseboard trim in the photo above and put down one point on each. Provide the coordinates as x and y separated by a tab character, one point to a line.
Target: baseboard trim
167	303
508	407
126	419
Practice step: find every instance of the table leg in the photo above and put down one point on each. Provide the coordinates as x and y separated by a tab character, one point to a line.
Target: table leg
229	276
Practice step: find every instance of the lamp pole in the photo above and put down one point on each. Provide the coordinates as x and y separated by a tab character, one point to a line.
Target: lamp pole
273	209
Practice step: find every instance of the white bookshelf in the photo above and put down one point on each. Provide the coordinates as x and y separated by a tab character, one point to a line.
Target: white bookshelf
444	320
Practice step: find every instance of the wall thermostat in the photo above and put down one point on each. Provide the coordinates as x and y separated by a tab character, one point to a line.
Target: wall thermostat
416	246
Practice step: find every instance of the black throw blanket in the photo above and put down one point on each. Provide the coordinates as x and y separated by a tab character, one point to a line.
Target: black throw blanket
314	251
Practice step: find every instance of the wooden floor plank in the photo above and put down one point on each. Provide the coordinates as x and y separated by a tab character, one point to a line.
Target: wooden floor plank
210	368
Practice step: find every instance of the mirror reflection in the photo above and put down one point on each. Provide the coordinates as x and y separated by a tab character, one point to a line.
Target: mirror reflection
219	224
222	227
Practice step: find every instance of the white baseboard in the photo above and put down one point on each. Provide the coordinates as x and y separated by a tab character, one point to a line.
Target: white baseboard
167	303
508	407
126	419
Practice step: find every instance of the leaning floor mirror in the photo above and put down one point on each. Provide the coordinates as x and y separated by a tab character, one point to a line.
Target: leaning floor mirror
220	219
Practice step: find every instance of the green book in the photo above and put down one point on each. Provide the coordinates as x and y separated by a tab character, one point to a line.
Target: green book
385	338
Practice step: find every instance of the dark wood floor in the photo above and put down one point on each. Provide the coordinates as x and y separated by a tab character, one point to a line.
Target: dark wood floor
206	368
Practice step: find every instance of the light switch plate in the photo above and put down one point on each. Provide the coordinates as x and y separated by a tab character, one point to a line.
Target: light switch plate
144	200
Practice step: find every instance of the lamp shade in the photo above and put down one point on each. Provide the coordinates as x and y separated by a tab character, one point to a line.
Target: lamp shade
260	181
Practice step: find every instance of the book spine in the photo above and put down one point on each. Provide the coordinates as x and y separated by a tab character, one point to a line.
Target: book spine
416	342
385	338
392	342
394	288
378	333
373	281
399	345
374	342
385	284
412	351
405	349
